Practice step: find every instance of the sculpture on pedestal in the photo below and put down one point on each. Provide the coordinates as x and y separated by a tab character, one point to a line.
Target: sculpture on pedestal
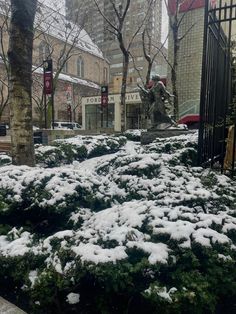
153	100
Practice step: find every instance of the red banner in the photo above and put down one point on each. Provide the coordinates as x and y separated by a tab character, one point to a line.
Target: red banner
104	100
185	5
48	83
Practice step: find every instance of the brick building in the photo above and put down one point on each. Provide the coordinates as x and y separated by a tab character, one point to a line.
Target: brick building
83	66
189	57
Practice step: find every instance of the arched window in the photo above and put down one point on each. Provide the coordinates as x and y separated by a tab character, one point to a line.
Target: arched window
63	61
105	75
44	51
80	67
97	72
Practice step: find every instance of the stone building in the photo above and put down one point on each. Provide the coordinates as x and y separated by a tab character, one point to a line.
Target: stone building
98	29
79	65
189	57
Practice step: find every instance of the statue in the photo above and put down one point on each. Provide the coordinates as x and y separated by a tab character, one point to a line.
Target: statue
153	100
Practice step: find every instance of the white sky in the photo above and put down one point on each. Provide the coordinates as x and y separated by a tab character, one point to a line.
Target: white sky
164	22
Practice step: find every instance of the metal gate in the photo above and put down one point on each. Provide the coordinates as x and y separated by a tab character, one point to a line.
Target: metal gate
218	96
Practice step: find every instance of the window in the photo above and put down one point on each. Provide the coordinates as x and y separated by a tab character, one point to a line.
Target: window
139	58
63	62
97	71
80	67
117	65
44	51
105	75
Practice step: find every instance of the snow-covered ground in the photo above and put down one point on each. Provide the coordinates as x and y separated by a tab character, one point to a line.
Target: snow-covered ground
150	198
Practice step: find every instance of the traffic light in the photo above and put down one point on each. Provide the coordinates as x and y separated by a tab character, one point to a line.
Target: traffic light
104	96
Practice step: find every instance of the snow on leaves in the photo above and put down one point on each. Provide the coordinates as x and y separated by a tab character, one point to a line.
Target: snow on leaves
135	198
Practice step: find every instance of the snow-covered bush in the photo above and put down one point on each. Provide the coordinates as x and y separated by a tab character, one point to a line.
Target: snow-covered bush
59	154
139	230
78	148
5	160
134	135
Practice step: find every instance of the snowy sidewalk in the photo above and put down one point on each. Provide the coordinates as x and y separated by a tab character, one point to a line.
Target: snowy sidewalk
9	308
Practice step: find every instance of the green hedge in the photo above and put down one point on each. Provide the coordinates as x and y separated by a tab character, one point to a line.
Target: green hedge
142	230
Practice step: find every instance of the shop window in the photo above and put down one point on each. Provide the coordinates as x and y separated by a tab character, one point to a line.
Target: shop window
133	116
95	118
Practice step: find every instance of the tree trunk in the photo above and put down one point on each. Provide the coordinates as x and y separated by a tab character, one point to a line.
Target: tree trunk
149	69
20	74
174	72
123	91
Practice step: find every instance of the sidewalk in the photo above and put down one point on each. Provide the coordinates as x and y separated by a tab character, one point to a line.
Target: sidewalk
5	139
9	308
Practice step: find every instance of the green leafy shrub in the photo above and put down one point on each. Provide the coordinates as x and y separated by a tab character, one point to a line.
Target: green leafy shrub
140	231
133	135
5	160
77	149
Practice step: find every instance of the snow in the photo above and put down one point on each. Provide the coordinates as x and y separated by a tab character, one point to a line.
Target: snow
17	247
158	251
162	292
149	203
58	5
69	78
33	275
94	253
225	258
73	298
50	18
54	23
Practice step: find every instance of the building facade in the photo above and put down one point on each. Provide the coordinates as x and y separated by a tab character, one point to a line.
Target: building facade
79	66
98	118
100	32
189	70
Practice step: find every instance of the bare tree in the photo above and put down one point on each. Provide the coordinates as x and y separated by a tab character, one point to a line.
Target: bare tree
4	77
151	51
20	80
116	27
59	50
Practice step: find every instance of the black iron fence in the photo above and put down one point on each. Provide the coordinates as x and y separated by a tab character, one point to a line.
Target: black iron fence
218	92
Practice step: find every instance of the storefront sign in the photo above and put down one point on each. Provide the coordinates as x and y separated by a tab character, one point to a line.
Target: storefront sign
130	98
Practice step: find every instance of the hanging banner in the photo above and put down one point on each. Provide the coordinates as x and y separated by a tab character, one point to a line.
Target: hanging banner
104	96
47	77
48	83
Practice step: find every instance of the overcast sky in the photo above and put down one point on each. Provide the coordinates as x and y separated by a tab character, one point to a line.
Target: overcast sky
164	22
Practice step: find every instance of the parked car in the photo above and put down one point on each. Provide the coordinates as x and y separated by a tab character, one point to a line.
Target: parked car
66	125
3	129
